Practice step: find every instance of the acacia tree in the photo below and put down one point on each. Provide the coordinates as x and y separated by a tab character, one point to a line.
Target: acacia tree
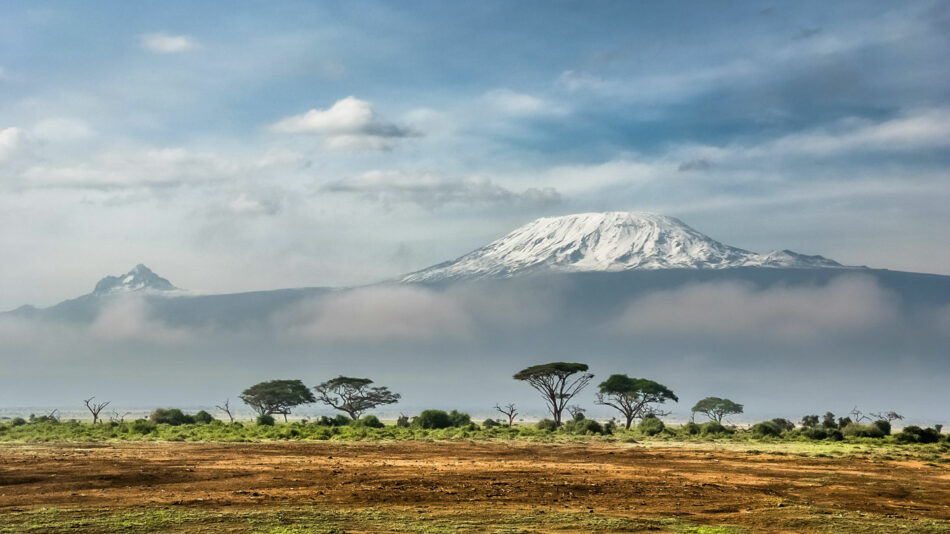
277	397
557	383
715	408
508	411
353	395
94	408
633	397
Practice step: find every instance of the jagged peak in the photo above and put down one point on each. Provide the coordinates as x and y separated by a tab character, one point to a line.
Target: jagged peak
139	278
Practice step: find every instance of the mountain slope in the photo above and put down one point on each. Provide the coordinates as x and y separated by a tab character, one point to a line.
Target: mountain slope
611	241
140	278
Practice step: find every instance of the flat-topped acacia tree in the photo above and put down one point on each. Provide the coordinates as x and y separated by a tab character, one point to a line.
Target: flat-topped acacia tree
632	397
715	408
557	382
277	397
354	396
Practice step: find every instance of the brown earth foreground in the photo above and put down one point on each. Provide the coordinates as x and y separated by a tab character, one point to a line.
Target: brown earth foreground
460	486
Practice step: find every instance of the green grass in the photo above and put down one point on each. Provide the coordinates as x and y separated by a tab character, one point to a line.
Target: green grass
327	520
78	432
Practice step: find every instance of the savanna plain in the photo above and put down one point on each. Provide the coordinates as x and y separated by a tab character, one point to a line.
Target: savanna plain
290	479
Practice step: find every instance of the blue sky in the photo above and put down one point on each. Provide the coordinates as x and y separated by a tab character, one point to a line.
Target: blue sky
260	145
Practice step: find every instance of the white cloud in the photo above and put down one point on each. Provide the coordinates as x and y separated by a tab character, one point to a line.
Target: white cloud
921	129
61	129
847	305
513	103
432	190
245	204
378	314
163	43
10	141
349	123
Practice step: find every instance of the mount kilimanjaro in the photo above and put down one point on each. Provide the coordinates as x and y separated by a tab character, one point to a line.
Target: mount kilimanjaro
607	258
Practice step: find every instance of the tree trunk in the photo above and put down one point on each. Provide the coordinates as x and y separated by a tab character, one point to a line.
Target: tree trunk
629	420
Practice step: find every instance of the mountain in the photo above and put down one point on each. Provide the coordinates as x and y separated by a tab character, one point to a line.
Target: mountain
140	278
606	242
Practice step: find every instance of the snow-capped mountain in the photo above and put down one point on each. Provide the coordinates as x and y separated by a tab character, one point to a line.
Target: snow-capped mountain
140	278
611	241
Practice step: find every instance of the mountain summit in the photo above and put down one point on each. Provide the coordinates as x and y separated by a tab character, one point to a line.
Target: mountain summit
140	278
610	241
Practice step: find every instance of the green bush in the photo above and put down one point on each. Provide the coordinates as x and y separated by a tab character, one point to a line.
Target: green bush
337	420
141	426
691	428
265	420
547	425
432	419
170	416
490	423
784	425
583	426
915	434
203	417
766	429
815	432
857	430
712	427
883	426
459	419
835	435
650	426
17	421
402	421
369	421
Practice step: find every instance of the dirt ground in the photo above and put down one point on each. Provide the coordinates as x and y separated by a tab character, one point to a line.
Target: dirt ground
693	485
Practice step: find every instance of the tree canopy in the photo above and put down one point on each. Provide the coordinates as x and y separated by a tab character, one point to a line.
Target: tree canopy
354	395
277	396
715	408
556	383
633	397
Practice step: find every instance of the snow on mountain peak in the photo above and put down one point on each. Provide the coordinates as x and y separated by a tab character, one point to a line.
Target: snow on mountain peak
609	241
140	278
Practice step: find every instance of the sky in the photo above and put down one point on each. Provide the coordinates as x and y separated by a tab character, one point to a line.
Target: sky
340	143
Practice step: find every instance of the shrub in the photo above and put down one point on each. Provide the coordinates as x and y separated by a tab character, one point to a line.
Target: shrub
650	426
548	425
338	420
858	430
835	435
170	416
433	419
203	417
583	426
402	421
784	425
141	426
915	434
766	428
459	419
610	426
713	427
369	421
815	433
490	423
17	421
884	426
692	428
265	420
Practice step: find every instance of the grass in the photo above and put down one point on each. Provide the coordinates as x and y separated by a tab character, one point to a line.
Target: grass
328	520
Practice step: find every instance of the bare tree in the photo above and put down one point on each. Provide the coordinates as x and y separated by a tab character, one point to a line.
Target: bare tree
226	408
508	411
890	417
116	417
95	408
52	416
857	415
